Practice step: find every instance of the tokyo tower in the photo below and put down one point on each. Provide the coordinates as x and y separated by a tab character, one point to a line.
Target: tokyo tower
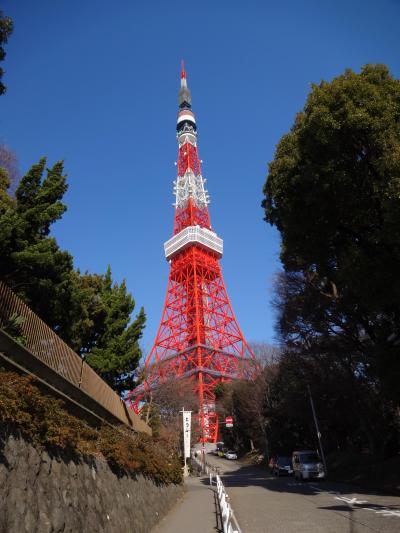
198	337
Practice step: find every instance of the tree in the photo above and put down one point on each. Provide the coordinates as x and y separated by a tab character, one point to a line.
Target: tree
250	403
162	406
323	349
32	264
333	192
103	333
264	353
90	312
6	29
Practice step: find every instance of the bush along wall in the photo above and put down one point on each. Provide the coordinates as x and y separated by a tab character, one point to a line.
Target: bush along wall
57	473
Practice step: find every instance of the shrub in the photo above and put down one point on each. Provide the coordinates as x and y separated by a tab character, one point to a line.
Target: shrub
44	421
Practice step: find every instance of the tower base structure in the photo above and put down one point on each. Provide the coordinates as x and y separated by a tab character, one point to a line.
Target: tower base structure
199	338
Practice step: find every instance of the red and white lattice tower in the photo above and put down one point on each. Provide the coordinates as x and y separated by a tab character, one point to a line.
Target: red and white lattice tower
198	337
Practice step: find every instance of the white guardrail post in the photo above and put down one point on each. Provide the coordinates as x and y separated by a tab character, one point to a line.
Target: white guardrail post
227	516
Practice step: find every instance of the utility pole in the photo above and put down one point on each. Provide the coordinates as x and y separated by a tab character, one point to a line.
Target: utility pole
317	429
266	441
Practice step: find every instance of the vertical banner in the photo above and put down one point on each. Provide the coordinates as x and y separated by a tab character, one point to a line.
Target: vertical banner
187	419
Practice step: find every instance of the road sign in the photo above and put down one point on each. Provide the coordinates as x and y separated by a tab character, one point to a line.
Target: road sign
229	422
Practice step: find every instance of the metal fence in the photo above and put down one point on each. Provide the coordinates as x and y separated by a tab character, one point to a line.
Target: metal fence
229	522
46	345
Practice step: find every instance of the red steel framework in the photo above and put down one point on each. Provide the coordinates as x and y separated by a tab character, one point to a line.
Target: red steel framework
198	337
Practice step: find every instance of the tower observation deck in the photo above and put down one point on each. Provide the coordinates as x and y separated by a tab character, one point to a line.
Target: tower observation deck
198	338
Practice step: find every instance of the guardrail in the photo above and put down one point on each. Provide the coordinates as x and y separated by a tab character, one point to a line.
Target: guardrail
44	344
229	522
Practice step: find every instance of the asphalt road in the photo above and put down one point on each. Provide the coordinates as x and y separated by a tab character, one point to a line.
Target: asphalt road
263	503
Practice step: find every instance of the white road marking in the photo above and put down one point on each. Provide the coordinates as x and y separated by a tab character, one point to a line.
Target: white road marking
383	512
388	512
351	501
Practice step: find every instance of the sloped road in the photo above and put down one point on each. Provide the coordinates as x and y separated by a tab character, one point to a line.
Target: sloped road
263	503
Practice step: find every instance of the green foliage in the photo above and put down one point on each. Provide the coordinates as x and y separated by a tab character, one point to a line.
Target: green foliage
32	263
44	421
103	332
13	327
6	29
333	192
89	311
5	199
219	390
39	200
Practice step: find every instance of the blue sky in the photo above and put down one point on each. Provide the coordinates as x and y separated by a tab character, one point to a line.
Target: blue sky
95	83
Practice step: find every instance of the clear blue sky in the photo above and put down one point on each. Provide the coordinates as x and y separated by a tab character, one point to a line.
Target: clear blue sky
96	83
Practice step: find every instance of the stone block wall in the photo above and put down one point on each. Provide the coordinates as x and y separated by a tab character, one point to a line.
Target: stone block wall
43	493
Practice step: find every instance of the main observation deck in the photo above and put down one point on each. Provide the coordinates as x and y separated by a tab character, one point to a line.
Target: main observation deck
194	235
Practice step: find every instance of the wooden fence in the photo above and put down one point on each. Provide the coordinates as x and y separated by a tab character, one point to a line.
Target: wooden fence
47	346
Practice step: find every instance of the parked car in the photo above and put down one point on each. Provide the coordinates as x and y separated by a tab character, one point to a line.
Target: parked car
230	454
282	465
307	465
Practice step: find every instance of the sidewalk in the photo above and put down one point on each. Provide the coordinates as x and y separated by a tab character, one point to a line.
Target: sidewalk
196	512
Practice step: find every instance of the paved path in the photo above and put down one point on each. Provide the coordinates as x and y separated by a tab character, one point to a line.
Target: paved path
263	503
195	513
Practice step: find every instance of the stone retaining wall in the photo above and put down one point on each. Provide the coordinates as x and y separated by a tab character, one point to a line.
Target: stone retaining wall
40	493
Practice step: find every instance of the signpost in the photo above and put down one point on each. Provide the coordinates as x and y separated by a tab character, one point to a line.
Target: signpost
187	421
229	422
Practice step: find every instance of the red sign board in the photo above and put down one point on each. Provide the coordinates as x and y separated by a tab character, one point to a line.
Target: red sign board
229	422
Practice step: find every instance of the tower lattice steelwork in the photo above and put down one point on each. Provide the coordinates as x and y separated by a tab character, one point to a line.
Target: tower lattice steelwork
198	337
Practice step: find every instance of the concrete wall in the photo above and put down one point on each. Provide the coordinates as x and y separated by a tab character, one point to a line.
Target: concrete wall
40	493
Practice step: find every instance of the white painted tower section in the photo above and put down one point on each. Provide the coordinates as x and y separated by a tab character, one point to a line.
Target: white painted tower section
190	185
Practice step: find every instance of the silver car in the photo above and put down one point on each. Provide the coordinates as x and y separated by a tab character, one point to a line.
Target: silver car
231	455
307	465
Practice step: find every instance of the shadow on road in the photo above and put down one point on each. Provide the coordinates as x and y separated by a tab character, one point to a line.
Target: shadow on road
241	475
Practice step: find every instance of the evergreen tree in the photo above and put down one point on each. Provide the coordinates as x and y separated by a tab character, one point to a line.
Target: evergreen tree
105	335
89	311
31	262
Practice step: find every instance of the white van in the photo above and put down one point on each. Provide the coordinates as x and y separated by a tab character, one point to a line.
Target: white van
307	465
